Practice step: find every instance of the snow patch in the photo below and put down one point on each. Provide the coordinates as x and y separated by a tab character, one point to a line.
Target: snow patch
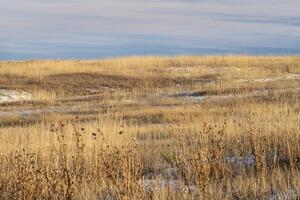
279	195
204	97
14	96
270	79
247	161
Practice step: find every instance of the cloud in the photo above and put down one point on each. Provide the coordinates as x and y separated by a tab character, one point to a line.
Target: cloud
49	26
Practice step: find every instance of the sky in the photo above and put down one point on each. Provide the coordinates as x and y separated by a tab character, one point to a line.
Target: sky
89	29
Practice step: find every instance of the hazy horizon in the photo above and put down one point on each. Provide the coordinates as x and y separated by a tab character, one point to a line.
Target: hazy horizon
90	29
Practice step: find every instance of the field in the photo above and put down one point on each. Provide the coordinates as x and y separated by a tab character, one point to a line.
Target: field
189	127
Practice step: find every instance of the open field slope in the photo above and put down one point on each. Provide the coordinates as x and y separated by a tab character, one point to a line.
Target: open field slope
208	127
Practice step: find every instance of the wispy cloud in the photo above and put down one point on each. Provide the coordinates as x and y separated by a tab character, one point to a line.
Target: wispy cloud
99	28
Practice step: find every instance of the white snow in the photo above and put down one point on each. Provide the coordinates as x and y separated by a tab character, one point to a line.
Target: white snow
269	79
190	95
13	96
241	161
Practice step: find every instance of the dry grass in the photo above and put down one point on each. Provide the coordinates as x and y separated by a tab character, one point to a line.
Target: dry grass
131	128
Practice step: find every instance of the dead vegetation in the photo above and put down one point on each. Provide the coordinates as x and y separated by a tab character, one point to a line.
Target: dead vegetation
124	129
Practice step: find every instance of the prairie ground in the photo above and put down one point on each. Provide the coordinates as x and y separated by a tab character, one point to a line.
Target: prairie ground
190	127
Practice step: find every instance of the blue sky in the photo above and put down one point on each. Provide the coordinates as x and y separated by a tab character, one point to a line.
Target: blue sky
86	29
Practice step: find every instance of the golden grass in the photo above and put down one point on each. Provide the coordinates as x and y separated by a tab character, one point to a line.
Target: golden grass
143	65
122	129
